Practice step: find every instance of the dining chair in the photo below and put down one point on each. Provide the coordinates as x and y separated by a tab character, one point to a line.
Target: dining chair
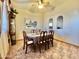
46	40
51	36
27	42
42	41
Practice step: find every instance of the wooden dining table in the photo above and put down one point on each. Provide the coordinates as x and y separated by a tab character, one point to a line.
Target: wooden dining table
34	36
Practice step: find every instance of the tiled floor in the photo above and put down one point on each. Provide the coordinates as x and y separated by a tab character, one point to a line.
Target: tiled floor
59	51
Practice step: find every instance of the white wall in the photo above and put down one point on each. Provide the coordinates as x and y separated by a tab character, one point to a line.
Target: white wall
4	47
70	31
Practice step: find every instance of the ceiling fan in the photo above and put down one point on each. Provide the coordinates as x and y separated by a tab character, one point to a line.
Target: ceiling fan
45	4
36	4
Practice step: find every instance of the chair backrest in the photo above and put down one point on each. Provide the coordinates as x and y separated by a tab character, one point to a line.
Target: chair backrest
39	30
24	36
43	35
51	34
33	30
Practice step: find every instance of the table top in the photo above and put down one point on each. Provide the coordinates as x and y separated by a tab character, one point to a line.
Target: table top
33	35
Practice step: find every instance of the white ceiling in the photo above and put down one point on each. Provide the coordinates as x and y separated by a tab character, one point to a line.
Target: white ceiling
32	5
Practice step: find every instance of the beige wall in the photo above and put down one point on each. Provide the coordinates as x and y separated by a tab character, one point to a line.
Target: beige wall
4	46
1	48
20	20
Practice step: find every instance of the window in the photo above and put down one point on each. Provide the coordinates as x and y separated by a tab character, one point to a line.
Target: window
60	22
50	23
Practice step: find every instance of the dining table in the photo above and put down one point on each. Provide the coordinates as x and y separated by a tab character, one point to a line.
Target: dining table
34	36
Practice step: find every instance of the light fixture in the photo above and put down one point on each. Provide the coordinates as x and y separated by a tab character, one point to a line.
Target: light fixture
40	4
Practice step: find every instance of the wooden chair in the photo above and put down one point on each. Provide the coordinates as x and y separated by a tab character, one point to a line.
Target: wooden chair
46	40
51	36
26	41
42	41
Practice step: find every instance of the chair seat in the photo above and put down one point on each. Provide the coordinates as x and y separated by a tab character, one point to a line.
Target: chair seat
29	42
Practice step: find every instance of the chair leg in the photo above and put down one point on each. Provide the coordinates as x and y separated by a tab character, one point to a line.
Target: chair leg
48	44
24	45
45	45
40	48
34	47
52	42
26	50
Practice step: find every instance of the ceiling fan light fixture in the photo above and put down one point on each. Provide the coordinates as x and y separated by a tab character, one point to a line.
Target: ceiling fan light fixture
40	6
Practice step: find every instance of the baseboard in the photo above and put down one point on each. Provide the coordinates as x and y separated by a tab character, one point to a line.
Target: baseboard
67	43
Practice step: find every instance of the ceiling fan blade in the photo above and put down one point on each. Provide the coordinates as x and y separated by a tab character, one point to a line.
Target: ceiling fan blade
42	1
